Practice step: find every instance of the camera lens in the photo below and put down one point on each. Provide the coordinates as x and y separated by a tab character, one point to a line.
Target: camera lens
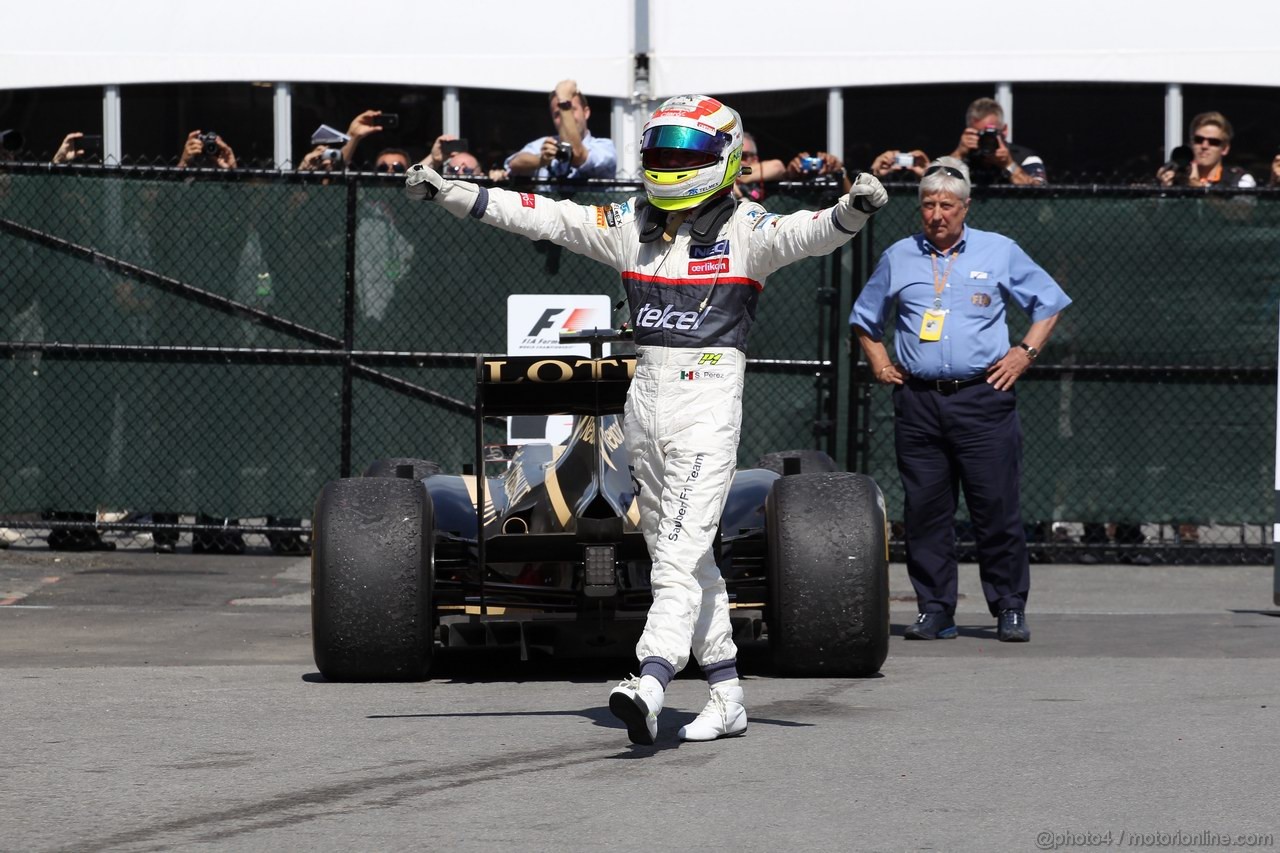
11	140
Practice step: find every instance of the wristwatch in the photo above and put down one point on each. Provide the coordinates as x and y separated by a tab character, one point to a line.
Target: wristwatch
1010	169
1031	351
565	105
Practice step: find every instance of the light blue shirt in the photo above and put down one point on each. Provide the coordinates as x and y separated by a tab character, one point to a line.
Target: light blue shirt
989	272
602	160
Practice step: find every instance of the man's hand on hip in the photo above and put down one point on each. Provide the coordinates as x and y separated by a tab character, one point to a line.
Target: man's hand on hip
1007	370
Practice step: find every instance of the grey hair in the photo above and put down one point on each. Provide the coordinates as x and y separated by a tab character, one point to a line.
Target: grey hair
941	182
981	108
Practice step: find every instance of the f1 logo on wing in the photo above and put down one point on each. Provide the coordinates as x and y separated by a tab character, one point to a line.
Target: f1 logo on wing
579	318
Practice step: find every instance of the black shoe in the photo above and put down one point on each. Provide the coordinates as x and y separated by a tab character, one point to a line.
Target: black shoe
164	547
932	626
1013	627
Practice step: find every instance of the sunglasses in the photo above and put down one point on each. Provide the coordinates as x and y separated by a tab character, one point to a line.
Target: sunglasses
1208	140
459	170
947	170
391	168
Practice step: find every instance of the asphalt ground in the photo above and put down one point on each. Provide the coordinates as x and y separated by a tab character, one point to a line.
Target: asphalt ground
170	702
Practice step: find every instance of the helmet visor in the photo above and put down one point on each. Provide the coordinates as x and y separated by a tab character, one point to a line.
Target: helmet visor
675	147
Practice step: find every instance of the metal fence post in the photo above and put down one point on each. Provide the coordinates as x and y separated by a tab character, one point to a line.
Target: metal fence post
856	441
348	324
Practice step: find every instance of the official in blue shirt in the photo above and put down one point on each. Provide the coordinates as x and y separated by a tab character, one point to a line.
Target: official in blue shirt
955	416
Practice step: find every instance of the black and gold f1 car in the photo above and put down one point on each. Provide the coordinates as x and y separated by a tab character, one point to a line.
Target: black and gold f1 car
547	555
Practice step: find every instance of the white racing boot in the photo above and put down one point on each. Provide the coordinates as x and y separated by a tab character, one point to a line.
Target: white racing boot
724	716
637	702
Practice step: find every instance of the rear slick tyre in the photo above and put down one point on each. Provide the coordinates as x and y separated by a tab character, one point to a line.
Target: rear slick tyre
372	580
828	609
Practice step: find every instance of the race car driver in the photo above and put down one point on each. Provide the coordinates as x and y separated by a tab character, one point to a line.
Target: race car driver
693	261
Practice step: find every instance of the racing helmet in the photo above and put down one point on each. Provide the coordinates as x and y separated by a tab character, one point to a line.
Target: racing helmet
690	150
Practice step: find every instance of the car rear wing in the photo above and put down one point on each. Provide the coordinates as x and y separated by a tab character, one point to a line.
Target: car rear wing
542	385
556	385
562	385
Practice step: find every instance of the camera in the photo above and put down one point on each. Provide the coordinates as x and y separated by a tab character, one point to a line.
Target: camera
904	161
331	155
388	121
811	165
564	151
452	146
208	143
91	145
989	140
11	140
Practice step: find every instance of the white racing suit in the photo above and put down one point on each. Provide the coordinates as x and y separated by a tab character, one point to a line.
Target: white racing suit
692	304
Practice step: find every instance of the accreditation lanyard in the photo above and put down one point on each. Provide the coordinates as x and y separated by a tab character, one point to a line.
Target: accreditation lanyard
931	325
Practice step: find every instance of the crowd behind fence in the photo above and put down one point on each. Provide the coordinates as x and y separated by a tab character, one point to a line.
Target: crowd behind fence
194	355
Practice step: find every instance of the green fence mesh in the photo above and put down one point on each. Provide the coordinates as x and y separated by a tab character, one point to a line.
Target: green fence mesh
255	432
1152	408
1155	402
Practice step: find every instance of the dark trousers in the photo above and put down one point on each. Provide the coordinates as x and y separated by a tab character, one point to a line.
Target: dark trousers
970	439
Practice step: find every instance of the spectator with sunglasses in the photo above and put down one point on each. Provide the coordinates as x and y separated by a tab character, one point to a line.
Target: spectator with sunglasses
1211	135
459	163
1275	171
573	153
955	415
392	161
756	172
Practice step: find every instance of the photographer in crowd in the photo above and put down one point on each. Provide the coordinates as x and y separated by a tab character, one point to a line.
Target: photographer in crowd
756	172
1211	135
573	153
452	157
898	165
206	150
76	146
990	157
364	125
322	158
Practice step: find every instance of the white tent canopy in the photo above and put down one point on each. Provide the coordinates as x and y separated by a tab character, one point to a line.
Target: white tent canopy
693	45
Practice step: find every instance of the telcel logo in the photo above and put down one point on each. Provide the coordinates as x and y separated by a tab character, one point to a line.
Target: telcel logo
667	317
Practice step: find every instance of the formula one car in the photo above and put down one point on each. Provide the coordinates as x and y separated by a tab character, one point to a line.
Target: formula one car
547	555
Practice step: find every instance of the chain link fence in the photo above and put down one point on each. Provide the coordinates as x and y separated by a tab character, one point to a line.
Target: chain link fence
1150	418
187	356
